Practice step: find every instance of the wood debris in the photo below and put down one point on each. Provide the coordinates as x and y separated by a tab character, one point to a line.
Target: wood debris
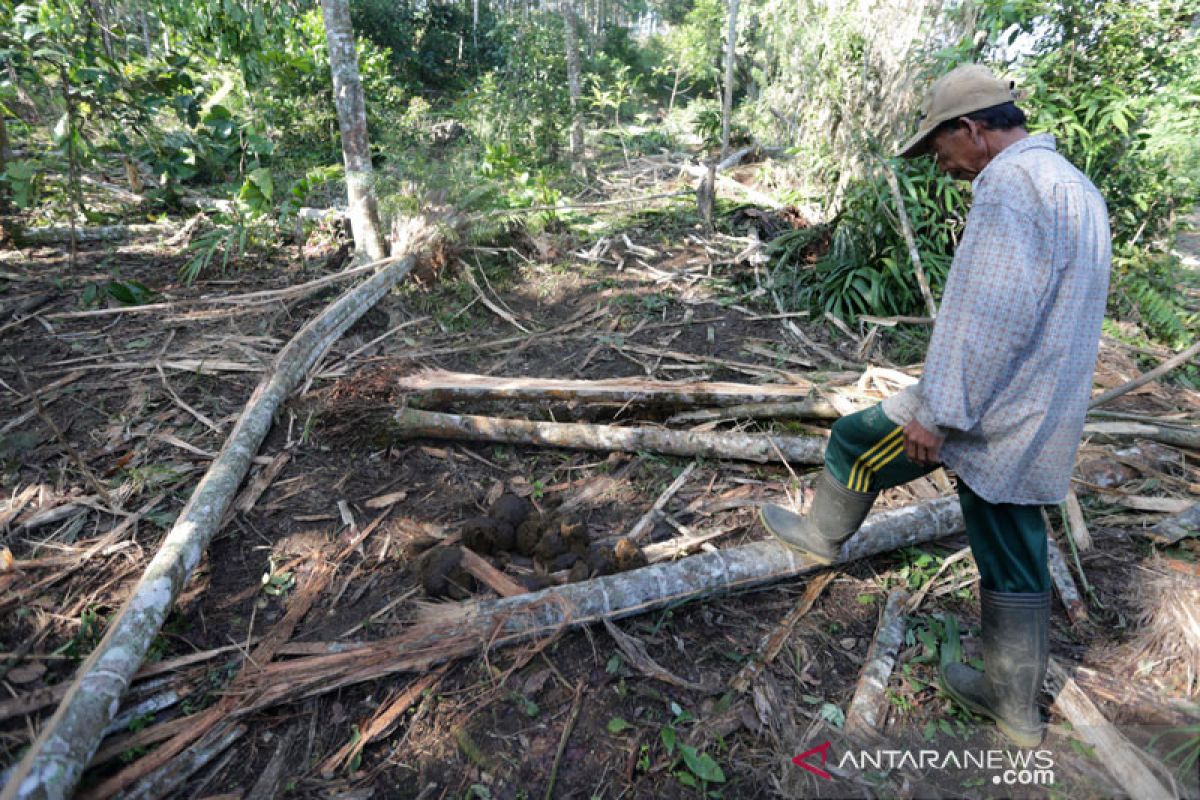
437	387
868	708
411	423
1126	763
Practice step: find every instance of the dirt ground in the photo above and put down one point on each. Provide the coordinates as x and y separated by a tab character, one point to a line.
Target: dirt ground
132	404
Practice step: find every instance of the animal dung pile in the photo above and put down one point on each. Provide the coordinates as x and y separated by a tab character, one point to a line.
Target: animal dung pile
544	546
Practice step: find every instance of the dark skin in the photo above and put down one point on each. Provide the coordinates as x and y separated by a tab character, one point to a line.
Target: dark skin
962	152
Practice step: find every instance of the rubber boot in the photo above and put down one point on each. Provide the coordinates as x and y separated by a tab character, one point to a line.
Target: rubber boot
1016	648
836	513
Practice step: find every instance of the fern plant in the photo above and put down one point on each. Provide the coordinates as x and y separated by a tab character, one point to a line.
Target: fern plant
1145	287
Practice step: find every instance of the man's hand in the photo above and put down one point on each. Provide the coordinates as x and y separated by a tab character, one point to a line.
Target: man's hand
920	445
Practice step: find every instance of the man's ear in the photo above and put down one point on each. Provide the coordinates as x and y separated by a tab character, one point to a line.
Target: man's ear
973	128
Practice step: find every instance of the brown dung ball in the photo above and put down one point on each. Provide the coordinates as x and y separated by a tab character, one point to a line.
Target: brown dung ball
574	533
442	575
628	555
579	572
529	533
480	534
511	509
600	560
550	547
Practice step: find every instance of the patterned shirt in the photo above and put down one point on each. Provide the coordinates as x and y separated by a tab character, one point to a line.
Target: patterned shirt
1009	370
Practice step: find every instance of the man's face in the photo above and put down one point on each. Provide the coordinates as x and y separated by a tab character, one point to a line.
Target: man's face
961	151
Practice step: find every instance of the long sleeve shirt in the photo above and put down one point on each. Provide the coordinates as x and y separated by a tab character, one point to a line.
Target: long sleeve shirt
1009	369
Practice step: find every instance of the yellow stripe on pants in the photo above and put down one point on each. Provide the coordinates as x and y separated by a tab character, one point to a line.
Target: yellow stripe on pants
879	447
878	463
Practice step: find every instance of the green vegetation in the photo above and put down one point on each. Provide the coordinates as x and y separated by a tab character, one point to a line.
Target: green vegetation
469	106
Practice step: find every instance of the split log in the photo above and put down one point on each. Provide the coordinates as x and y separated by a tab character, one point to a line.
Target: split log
1172	529
54	763
1060	574
635	653
869	705
438	387
680	545
812	408
1123	761
491	577
1076	525
1150	706
383	720
412	423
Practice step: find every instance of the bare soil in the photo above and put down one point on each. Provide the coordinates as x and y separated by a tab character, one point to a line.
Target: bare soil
155	392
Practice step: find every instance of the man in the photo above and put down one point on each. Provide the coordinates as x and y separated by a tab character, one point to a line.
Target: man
1005	386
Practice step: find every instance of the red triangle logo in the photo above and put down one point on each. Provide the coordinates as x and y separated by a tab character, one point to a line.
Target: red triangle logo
823	749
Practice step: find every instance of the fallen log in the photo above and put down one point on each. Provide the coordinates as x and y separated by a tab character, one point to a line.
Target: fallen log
35	237
411	423
1123	761
451	632
1177	435
437	387
56	760
869	705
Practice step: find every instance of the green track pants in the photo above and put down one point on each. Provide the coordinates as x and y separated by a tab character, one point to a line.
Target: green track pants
866	454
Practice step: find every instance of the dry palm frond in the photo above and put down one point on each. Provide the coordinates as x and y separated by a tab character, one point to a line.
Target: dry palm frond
1170	627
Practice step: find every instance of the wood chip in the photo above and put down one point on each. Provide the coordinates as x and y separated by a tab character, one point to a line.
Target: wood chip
478	566
385	500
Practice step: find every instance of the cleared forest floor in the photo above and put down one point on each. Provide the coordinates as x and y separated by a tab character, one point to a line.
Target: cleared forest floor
112	416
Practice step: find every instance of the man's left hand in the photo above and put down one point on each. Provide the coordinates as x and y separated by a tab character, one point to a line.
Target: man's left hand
920	445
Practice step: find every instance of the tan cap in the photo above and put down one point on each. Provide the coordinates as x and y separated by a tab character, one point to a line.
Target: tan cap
971	87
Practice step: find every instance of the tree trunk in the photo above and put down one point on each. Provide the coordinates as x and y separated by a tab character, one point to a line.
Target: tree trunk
730	51
411	423
3	158
352	120
454	631
570	30
145	25
54	763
